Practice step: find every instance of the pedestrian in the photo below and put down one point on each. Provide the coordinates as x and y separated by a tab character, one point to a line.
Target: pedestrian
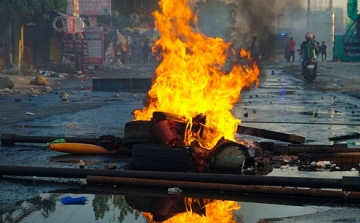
323	51
255	50
133	51
317	43
146	50
287	52
292	45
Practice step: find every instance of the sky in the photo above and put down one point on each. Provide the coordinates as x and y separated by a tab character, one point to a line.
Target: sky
340	3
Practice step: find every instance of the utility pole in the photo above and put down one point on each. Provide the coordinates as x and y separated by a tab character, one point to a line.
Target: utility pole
331	5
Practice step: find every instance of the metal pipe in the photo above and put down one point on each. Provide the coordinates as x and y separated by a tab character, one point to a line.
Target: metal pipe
144	190
338	158
253	189
179	176
11	139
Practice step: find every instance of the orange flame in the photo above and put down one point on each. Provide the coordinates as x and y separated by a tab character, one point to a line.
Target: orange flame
190	80
216	211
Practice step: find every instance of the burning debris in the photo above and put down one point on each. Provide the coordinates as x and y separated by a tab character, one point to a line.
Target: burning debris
170	130
191	84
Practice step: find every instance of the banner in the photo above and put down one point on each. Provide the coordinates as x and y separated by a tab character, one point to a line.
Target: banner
56	50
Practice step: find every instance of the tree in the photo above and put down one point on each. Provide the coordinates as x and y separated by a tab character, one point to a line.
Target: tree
41	8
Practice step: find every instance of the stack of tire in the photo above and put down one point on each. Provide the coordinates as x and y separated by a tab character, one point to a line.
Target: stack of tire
149	155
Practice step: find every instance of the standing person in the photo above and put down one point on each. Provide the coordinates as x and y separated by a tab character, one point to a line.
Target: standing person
309	50
255	50
317	43
292	45
323	51
287	52
133	51
146	50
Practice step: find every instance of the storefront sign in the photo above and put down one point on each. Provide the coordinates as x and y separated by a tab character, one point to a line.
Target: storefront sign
93	51
88	7
73	8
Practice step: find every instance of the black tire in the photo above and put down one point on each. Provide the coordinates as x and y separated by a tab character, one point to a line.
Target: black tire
137	132
158	157
310	75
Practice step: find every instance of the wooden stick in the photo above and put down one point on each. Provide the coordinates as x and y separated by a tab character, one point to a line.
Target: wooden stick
270	134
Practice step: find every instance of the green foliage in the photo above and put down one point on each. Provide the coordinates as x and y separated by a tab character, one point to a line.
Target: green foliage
33	7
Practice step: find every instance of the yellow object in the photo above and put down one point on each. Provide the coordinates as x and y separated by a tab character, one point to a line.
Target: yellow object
80	148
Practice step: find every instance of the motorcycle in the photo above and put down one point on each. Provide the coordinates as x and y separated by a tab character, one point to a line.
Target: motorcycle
308	70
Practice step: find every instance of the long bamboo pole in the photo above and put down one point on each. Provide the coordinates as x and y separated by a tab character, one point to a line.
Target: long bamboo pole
11	139
180	176
251	189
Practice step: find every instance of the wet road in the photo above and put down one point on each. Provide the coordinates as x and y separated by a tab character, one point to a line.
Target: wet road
282	103
285	104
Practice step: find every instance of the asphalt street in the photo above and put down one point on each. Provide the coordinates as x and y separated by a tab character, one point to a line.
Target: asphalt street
283	102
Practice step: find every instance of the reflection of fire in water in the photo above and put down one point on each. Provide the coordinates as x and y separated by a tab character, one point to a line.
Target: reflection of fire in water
214	211
190	80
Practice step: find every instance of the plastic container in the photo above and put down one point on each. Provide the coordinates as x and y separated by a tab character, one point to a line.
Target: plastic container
73	200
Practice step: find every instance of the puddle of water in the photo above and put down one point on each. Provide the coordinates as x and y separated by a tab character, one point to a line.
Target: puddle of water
46	207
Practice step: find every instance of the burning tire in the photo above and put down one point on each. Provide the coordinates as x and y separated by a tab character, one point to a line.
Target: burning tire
158	157
137	132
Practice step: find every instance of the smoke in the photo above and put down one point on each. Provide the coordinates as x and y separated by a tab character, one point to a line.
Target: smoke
253	18
262	18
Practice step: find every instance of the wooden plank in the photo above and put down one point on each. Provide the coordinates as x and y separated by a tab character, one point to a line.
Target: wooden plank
354	135
294	149
270	134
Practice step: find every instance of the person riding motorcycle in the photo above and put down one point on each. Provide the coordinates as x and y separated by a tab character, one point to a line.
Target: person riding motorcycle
309	49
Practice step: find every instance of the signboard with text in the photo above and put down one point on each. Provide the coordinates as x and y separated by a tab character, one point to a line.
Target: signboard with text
73	8
93	51
89	7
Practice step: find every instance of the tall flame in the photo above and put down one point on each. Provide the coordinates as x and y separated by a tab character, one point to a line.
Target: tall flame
190	80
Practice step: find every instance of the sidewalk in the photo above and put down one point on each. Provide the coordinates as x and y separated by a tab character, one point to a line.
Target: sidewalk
23	86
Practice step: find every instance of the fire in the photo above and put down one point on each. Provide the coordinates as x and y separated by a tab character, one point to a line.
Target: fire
190	80
215	211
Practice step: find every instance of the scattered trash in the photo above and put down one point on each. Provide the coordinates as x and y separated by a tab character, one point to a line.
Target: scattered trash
323	164
112	166
284	167
56	141
174	190
64	96
73	200
81	164
39	80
